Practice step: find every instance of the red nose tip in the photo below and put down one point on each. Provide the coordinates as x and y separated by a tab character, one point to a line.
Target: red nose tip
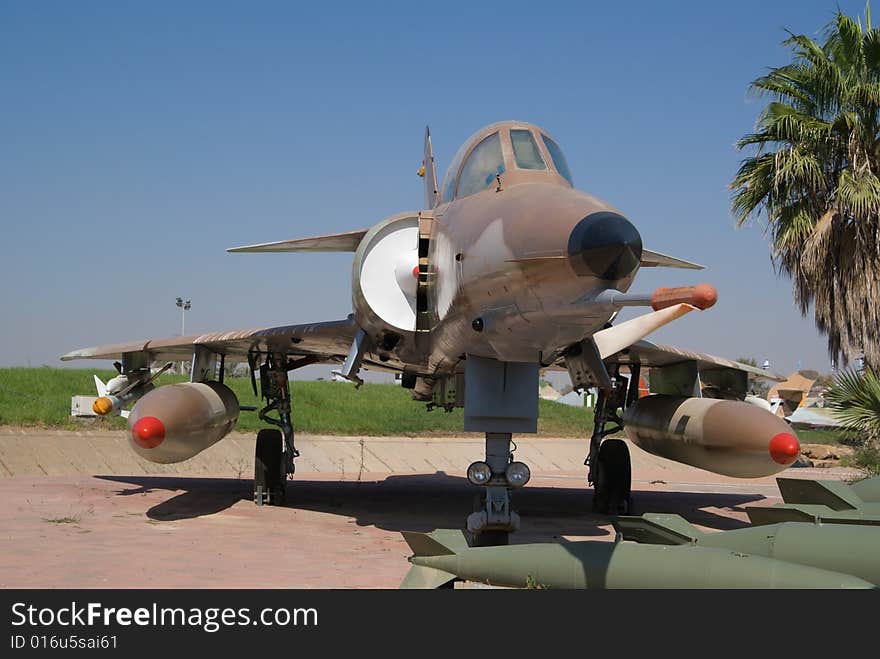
148	432
784	448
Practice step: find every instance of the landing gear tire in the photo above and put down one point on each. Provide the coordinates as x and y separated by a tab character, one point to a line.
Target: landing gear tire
612	493
269	476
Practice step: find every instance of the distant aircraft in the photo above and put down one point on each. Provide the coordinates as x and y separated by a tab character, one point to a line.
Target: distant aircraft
506	270
791	400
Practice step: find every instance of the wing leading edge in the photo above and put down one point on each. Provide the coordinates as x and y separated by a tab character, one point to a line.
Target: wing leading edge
653	354
332	242
330	340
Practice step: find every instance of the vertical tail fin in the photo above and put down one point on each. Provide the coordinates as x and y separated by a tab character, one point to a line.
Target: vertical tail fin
429	173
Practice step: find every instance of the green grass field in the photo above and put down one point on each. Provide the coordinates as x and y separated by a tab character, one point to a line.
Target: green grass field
41	397
826	436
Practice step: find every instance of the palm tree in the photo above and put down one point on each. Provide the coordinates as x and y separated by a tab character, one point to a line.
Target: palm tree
813	172
854	399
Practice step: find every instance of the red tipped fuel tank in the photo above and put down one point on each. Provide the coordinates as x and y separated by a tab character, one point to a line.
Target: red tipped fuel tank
727	437
177	421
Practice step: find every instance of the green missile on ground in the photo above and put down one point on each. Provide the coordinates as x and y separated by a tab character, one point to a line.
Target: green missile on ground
837	495
868	489
811	514
822	501
444	556
848	549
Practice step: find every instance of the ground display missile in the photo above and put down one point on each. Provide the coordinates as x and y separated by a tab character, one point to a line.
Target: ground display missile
444	556
831	502
868	490
841	548
869	514
837	495
174	422
727	437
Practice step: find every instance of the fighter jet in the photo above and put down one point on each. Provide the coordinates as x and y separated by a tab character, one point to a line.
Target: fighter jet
507	269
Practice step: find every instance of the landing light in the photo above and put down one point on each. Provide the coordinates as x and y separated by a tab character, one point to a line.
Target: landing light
479	473
518	474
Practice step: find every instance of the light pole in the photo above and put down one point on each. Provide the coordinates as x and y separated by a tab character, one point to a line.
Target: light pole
184	307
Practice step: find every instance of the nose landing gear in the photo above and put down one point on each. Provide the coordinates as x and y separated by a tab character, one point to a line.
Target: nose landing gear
499	400
494	519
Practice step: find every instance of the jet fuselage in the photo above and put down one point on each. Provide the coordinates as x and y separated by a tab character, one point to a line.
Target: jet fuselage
515	265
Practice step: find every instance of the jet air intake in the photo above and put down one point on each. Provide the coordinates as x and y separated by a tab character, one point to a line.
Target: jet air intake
385	275
604	245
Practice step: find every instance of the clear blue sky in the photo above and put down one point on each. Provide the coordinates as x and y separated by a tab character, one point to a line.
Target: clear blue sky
139	140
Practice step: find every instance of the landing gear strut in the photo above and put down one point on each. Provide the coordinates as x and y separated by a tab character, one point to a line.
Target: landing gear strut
494	519
275	450
610	471
499	400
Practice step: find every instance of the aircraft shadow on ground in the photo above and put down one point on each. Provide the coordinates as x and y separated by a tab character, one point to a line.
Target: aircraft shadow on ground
423	502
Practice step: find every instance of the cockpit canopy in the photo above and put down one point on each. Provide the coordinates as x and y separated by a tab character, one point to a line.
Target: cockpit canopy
499	148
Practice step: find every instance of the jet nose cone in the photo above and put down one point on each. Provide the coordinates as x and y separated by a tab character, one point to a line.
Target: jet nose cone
604	245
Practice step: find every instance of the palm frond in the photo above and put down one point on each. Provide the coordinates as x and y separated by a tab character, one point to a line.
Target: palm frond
854	398
859	192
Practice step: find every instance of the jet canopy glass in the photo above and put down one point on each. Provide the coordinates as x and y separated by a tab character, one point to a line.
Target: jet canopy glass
500	148
482	166
525	150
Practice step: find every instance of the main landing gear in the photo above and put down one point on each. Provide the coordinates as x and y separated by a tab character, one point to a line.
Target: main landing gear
269	473
610	469
275	450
